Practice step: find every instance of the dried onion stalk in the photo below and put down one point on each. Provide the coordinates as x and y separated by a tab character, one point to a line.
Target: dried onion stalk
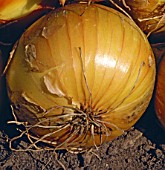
81	76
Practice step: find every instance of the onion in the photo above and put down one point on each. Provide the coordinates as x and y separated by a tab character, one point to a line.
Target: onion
149	15
81	76
14	9
160	93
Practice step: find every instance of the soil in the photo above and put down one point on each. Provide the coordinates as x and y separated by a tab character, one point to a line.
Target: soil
131	151
140	148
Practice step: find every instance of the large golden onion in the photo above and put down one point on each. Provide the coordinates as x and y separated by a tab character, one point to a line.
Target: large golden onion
80	76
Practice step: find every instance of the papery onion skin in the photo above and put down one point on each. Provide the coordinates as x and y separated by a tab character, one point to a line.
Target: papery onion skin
160	93
81	75
149	15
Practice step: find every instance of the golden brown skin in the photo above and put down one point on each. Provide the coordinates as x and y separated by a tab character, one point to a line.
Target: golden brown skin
160	93
80	76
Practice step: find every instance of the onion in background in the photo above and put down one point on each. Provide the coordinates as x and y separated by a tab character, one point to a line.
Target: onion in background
14	9
11	10
160	92
148	14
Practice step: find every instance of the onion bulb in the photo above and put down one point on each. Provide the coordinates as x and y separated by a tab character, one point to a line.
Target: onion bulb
160	93
14	9
149	15
81	76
